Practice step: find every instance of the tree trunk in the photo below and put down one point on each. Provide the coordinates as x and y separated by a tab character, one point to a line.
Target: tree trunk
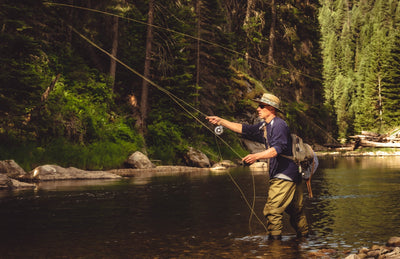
198	26
271	59
114	49
68	28
45	95
380	101
368	143
145	87
250	6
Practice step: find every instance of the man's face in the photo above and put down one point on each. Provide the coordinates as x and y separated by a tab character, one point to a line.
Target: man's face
264	111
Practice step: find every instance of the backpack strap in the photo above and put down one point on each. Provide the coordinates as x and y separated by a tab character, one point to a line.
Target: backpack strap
288	157
308	182
266	135
266	139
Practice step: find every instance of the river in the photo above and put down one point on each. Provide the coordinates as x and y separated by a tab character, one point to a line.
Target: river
201	215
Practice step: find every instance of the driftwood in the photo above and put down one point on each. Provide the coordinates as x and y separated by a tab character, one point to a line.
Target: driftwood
368	143
372	139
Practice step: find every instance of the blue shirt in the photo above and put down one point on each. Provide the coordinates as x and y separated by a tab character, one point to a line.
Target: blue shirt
278	135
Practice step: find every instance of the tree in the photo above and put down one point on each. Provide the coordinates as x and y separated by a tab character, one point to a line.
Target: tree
114	49
271	60
372	69
195	53
24	69
146	74
198	29
358	46
391	81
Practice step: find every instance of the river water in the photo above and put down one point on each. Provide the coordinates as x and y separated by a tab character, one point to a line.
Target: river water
201	215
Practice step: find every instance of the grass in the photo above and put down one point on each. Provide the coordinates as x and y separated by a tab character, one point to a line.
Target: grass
95	156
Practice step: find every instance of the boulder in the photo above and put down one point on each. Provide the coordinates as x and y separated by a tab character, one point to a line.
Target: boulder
225	164
9	183
259	166
11	169
394	241
5	181
139	160
390	251
20	185
395	253
55	172
196	158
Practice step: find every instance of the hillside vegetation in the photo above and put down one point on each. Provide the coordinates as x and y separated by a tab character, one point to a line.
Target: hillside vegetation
86	83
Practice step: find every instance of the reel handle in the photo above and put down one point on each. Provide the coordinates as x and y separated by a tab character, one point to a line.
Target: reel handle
219	130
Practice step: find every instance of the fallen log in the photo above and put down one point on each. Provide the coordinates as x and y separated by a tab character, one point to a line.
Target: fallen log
368	143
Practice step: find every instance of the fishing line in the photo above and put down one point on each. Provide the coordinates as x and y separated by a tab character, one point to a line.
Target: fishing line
182	34
179	102
219	150
176	99
253	204
218	130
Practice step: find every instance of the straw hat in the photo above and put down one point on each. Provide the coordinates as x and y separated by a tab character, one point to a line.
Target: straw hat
271	100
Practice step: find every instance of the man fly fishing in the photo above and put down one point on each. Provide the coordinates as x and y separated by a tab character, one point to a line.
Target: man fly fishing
286	190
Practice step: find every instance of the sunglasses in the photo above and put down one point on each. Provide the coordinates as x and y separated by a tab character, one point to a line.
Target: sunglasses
262	106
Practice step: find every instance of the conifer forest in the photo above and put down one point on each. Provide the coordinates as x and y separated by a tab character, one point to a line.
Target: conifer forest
86	83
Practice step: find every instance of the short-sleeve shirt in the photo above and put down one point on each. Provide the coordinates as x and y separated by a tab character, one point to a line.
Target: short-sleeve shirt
278	135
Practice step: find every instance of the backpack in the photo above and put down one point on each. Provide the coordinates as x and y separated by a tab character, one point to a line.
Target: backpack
305	158
303	155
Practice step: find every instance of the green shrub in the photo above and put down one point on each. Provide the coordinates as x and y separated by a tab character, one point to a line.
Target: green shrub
165	142
95	156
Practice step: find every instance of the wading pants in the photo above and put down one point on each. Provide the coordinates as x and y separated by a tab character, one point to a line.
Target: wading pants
285	196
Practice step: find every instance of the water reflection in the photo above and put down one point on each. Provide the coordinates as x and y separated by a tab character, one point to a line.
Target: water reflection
357	201
200	214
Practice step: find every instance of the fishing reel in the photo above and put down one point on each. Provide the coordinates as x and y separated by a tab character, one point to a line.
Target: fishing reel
219	130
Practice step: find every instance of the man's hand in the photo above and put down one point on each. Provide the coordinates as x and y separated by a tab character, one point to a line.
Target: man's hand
214	120
251	158
266	154
236	127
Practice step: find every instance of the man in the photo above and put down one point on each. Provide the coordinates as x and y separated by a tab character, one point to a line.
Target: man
285	192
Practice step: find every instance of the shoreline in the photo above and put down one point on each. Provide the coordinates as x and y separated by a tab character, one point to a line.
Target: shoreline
57	173
171	169
356	153
159	170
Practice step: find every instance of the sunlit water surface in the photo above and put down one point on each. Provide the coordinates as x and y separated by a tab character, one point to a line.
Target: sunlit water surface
200	215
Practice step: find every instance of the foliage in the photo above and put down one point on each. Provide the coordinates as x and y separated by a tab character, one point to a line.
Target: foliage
86	111
360	50
166	142
299	117
101	155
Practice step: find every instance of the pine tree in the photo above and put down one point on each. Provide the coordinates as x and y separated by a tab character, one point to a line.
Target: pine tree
391	81
358	47
374	56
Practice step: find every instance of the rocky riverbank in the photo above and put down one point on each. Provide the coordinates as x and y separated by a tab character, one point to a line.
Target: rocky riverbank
389	251
13	176
344	153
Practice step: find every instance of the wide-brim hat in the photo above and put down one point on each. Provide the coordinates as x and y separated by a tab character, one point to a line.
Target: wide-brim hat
271	100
